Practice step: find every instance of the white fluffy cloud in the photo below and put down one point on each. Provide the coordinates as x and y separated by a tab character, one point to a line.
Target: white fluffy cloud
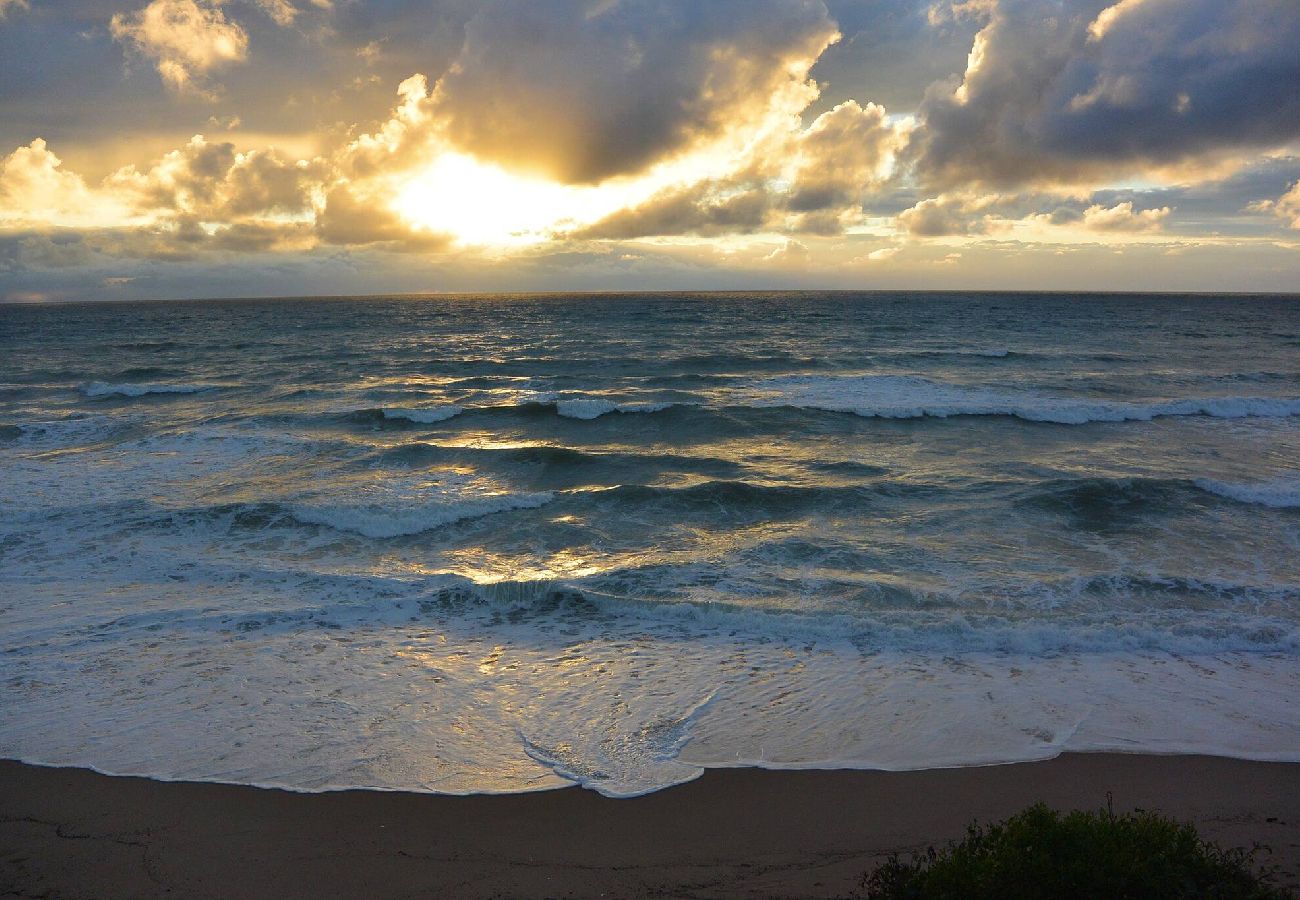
1122	217
945	215
185	39
35	189
1286	207
216	182
845	152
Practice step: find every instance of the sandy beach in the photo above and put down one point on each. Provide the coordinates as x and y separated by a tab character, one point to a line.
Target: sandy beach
732	833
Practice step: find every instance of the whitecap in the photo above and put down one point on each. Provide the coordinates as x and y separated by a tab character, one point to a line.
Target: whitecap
1280	493
911	396
425	415
595	407
104	389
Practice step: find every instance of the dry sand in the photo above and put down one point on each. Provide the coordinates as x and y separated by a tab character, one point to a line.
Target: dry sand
732	833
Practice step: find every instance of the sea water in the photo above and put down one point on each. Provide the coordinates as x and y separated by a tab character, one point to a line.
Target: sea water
506	543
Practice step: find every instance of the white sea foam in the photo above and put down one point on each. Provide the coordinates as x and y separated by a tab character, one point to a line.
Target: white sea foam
594	407
425	415
1282	492
172	603
104	389
911	396
389	686
394	507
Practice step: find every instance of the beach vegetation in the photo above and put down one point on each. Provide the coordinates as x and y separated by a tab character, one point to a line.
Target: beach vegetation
1041	853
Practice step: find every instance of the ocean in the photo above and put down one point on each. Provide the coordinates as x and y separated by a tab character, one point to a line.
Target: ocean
472	544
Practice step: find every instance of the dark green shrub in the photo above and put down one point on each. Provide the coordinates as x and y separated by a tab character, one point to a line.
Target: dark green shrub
1039	853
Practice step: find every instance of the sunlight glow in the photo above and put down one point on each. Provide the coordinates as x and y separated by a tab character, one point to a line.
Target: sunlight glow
483	204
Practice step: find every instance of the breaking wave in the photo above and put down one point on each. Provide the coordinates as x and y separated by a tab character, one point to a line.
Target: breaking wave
594	407
1280	493
104	389
425	415
910	396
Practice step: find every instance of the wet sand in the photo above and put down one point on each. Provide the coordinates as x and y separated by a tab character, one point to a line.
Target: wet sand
732	833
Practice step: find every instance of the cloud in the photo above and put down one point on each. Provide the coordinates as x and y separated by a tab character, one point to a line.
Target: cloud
186	39
809	181
1059	92
403	141
282	12
940	217
36	189
209	196
214	181
707	208
585	90
285	12
952	10
974	213
1286	207
1122	217
842	154
790	254
1107	18
358	220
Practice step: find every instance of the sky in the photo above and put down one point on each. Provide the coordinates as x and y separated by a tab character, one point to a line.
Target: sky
239	148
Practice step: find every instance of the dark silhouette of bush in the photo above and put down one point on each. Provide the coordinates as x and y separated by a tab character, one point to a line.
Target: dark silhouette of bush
1040	853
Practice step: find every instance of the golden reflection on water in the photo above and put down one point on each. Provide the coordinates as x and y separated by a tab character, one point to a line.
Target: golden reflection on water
482	566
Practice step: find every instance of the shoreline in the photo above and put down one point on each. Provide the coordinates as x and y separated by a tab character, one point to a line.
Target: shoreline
742	832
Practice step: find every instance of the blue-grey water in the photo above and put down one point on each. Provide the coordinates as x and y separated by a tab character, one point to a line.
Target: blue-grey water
506	543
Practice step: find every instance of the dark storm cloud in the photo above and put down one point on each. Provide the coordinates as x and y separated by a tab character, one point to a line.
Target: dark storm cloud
582	91
1082	89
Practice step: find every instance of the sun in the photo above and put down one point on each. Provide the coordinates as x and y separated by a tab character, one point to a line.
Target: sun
483	204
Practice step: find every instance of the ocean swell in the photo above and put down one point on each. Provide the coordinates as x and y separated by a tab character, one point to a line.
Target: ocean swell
910	396
104	389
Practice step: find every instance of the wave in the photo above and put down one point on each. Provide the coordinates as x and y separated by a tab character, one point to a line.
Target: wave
1104	502
104	389
69	432
135	373
729	497
911	396
553	459
527	405
1280	493
981	353
396	417
425	415
1169	615
1100	502
378	520
594	407
1096	503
